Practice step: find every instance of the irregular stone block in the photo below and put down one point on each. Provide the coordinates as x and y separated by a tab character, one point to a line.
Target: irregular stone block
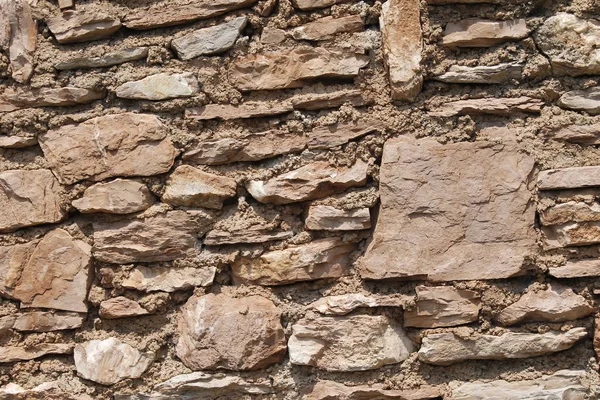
331	390
168	279
328	218
571	211
209	41
572	234
121	307
346	303
110	361
189	186
45	321
18	37
323	258
442	220
576	269
319	101
493	106
356	343
250	109
312	4
221	332
482	74
104	147
48	97
107	60
327	27
82	26
160	87
447	348
294	68
587	100
19	353
569	178
442	306
17	142
483	33
121	196
256	234
580	134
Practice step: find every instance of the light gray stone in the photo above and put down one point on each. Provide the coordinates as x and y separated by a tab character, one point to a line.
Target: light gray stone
482	74
327	27
587	100
160	87
441	306
345	303
209	41
328	218
191	187
17	142
331	390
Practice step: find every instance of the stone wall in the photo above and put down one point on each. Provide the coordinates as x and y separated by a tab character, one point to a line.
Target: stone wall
299	199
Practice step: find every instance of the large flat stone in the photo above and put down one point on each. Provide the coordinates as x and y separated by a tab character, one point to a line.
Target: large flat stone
577	269
209	41
121	196
160	87
491	106
48	97
18	37
587	100
20	353
168	279
121	307
82	26
499	73
441	306
192	187
569	178
483	33
107	60
580	134
327	27
45	321
331	390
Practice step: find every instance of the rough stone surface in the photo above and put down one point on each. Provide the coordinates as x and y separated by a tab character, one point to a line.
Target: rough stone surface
482	74
492	106
327	27
569	178
160	87
121	307
570	211
107	60
483	33
318	101
255	234
189	186
576	269
346	303
580	134
48	97
250	109
17	142
44	391
331	390
442	306
121	196
14	353
76	27
313	4
153	279
571	234
209	41
43	321
20	37
330	218
587	100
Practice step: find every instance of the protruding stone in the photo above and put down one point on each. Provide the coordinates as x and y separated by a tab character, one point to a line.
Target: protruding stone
121	307
17	142
48	97
346	303
160	87
209	41
571	211
18	37
256	234
569	178
107	60
492	106
499	73
43	321
294	68
587	100
356	343
331	390
313	181
319	101
328	218
555	304
313	4
168	279
572	234
441	306
221	332
189	186
580	134
121	196
82	26
327	27
104	147
323	258
250	109
448	348
110	361
577	269
21	353
29	198
484	33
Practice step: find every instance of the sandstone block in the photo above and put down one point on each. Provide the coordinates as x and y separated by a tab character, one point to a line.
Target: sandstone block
331	390
250	109
571	211
168	279
580	134
492	106
330	218
160	87
255	234
209	41
18	37
576	269
82	26
327	27
319	101
189	186
45	321
107	60
346	303
571	234
121	307
483	33
442	306
569	178
587	100
19	353
48	97
499	73
121	196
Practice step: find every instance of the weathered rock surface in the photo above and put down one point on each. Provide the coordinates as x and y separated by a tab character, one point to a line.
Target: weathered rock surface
442	306
107	60
18	353
168	279
580	134
329	136
221	332
587	100
255	234
448	348
327	27
160	87
499	73
576	269
18	37
442	220
569	178
121	307
331	390
82	26
483	33
121	196
250	109
355	343
104	147
330	218
48	97
571	211
44	391
323	258
294	68
346	303
555	304
17	142
110	361
493	106
189	186
209	41
312	4
29	198
318	101
313	181
402	46
42	321
572	234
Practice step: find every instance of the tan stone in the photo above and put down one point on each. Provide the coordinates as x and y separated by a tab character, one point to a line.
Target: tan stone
250	109
319	101
323	258
113	145
325	137
45	321
555	304
327	27
294	68
44	391
492	106
29	198
312	4
272	35
107	60
355	343
255	234
189	186
441	306
580	134
18	37
596	340
448	348
121	196
499	73
209	41
221	332
110	361
121	307
571	234
168	279
330	218
443	220
483	33
17	142
576	269
82	26
331	390
313	181
569	178
267	8
587	100
160	87
571	211
346	303
48	97
20	353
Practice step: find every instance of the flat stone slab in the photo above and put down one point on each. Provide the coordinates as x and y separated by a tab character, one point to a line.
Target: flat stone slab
249	109
580	134
209	41
107	60
48	97
577	269
43	321
346	303
587	100
331	390
491	106
314	4
192	187
329	218
18	353
571	211
82	26
569	178
121	196
160	87
327	27
499	73
440	306
168	279
121	307
483	33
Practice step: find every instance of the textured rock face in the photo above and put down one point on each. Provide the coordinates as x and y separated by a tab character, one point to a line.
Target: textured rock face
153	279
250	109
483	33
447	348
75	27
442	306
569	178
313	4
209	41
576	269
121	307
331	390
160	87
29	198
221	332
252	235
329	218
18	37
355	343
114	145
487	75
49	97
121	196
570	211
442	240
44	321
587	100
492	106
580	134
189	186
110	361
327	27
14	353
571	234
107	60
317	101
346	303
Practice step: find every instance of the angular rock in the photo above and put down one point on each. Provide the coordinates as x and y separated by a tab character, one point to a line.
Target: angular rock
331	390
442	220
328	218
110	361
48	97
250	109
319	101
121	307
580	134
29	198
107	60
587	100
327	27
569	178
125	144
221	332
294	68
555	304
82	26
161	238
168	279
323	258
571	211
499	73
572	234
442	306
169	15
356	343
313	181
576	269
160	87
312	4
493	106
45	321
191	187
18	37
448	348
346	303
209	41
256	234
402	47
483	33
19	353
121	196
17	142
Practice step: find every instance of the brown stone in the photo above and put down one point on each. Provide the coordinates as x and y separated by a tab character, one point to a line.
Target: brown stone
569	178
255	234
29	198
319	101
597	336
312	4
580	134
18	37
492	106
483	33
443	220
587	100
113	145
221	332
209	41
121	196
331	390
168	279
82	26
441	306
189	186
250	109
571	211
294	68
267	8
48	97
576	269
572	234
20	353
160	87
338	134
327	27
45	321
44	391
17	142
499	73
272	35
328	218
323	258
107	60
346	303
121	307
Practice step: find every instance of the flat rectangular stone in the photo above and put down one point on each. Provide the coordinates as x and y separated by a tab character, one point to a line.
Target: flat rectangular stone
571	211
107	60
251	235
491	106
45	321
577	269
327	27
328	218
17	353
331	390
313	4
442	306
580	134
250	109
318	101
569	178
482	74
483	33
571	234
13	99
82	26
168	279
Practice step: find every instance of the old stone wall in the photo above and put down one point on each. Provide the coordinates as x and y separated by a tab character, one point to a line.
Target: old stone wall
299	199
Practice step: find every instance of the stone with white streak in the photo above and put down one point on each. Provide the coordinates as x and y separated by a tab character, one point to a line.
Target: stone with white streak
168	279
571	234
44	391
160	87
327	27
329	218
441	306
587	100
82	26
483	33
107	60
346	303
121	196
18	37
499	73
331	390
492	106
569	178
121	307
26	353
209	41
189	186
